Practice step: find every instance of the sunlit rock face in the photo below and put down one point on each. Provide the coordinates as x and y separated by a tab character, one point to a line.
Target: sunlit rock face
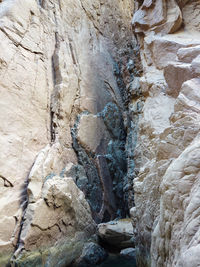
166	185
64	67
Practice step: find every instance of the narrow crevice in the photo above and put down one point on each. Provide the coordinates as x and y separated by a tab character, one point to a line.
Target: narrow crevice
52	128
72	53
24	201
56	78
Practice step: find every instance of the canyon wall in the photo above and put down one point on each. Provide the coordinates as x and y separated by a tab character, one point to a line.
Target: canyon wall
166	184
99	116
64	66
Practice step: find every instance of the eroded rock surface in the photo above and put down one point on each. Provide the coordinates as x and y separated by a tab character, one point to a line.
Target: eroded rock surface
118	234
166	211
63	126
80	120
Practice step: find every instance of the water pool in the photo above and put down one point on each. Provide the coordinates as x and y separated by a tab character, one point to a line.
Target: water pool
117	261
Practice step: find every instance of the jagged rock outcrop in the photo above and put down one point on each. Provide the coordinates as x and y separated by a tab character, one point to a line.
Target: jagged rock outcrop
166	212
64	66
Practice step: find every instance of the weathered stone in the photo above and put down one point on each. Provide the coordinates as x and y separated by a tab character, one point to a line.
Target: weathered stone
188	54
65	54
165	183
196	65
173	19
91	132
147	17
75	115
160	16
117	233
176	74
189	97
92	255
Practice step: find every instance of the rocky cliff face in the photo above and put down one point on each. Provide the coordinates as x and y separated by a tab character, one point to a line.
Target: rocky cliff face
166	185
64	68
81	120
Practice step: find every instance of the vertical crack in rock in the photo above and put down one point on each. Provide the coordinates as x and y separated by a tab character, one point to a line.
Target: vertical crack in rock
55	79
24	200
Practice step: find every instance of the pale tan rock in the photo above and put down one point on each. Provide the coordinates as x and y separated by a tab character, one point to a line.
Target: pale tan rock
174	18
166	178
172	213
164	48
91	132
117	233
157	111
24	116
147	17
190	15
175	74
152	82
62	210
188	54
57	60
7	225
196	65
161	16
189	97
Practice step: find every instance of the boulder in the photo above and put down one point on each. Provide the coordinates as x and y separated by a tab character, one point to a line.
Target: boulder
117	233
92	254
175	75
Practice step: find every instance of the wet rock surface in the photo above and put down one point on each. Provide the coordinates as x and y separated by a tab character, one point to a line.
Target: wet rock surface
118	261
128	253
92	255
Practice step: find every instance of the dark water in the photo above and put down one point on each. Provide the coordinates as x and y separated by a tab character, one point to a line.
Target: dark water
116	261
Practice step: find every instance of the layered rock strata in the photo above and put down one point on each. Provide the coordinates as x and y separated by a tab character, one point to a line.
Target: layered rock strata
166	185
64	66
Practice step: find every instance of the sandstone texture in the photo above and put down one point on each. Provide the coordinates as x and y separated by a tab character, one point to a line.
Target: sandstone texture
64	68
166	153
99	116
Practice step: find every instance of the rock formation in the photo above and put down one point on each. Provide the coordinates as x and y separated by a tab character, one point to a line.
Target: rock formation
99	116
117	234
64	67
166	213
